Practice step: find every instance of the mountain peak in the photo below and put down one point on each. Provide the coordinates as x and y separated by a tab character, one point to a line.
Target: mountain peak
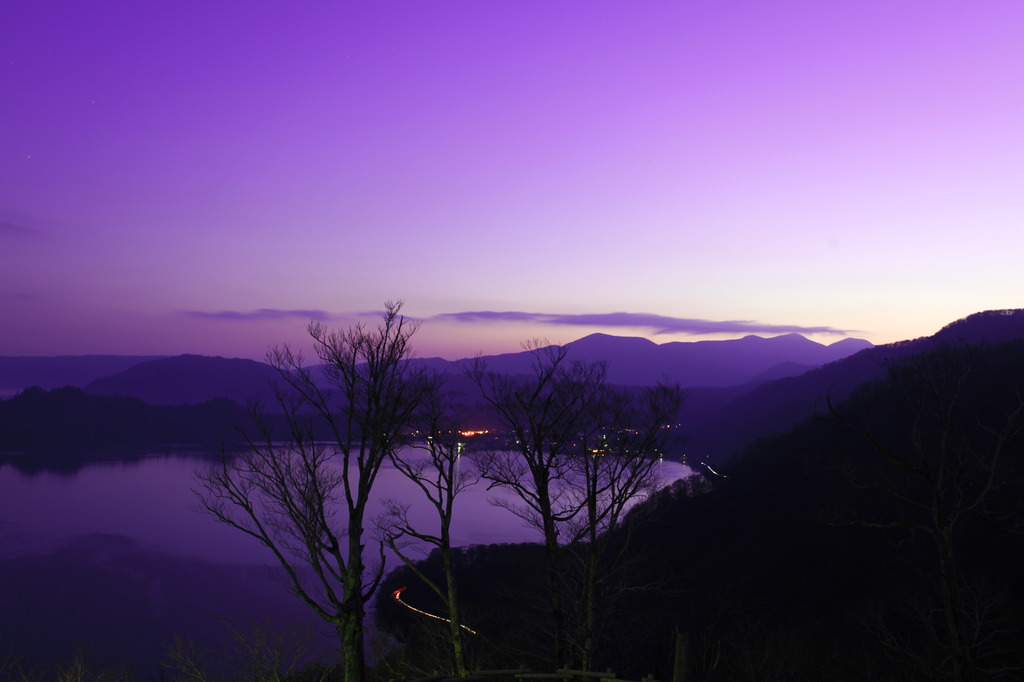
600	339
189	379
851	344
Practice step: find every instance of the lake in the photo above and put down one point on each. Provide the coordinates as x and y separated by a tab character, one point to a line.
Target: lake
114	559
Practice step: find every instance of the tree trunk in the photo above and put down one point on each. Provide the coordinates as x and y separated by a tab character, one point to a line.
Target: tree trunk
352	619
590	586
958	653
554	583
680	663
352	646
453	607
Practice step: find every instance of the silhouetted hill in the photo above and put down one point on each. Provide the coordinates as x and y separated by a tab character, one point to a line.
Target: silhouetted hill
189	380
68	419
17	373
776	406
990	326
781	371
641	362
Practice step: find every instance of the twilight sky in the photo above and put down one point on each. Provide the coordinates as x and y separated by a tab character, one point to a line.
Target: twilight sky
206	177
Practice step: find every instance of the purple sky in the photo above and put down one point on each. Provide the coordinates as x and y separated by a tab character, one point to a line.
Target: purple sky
208	176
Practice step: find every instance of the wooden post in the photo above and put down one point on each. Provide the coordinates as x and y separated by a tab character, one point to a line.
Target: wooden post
682	646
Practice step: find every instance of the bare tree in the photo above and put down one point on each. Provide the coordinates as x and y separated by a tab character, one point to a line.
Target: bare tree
543	416
927	479
304	494
257	652
617	467
435	465
579	452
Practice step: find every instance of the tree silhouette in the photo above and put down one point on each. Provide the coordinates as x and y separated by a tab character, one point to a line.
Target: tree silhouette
939	434
437	469
304	497
579	452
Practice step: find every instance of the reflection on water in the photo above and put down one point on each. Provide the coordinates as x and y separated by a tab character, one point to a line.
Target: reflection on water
114	557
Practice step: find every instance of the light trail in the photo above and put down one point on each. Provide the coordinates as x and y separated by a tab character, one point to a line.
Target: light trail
397	596
708	466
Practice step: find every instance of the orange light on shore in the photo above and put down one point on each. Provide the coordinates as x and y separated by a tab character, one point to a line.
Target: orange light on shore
469	434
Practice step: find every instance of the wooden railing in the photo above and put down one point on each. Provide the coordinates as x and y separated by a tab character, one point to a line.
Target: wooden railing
567	674
525	674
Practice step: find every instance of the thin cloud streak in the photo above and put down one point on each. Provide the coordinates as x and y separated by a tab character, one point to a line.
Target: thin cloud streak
660	324
18	296
261	314
17	230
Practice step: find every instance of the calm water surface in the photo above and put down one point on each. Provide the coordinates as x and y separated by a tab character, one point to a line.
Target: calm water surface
113	558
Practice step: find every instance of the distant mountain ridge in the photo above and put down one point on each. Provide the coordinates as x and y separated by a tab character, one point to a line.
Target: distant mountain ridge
729	419
642	362
719	419
192	379
712	363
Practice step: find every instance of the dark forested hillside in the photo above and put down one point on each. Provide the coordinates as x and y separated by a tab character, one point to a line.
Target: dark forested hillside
719	423
881	541
70	419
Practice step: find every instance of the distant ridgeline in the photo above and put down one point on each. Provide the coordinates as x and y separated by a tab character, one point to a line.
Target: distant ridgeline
737	390
723	422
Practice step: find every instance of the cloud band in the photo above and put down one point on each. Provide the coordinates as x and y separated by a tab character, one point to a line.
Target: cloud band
660	324
260	314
